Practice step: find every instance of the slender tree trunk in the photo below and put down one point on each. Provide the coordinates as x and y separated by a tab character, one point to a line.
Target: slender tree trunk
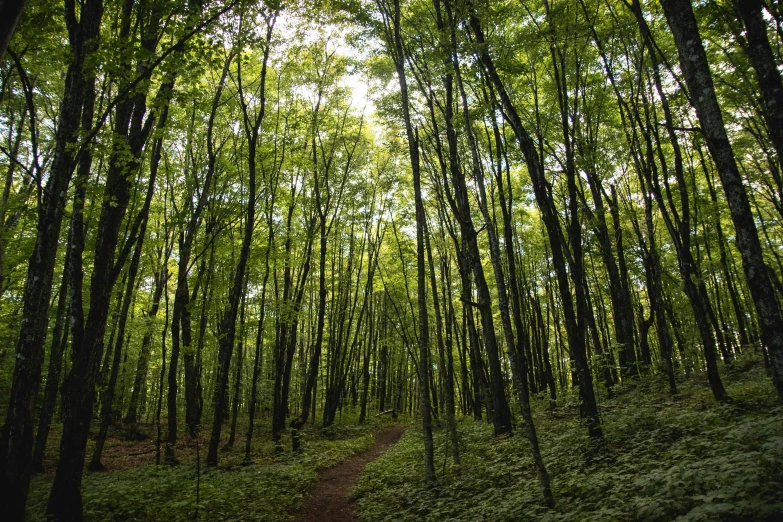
515	354
159	401
16	440
371	346
446	370
227	328
728	274
7	223
693	60
257	361
762	58
574	317
460	206
140	380
180	323
240	354
59	342
107	398
395	45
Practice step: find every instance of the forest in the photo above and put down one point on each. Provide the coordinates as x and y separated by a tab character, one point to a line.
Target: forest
500	259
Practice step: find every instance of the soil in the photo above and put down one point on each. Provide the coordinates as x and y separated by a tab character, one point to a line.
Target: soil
330	499
122	452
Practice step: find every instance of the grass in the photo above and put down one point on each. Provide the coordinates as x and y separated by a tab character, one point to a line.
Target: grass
685	458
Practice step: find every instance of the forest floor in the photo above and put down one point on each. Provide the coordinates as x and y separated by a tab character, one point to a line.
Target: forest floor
330	500
686	458
271	488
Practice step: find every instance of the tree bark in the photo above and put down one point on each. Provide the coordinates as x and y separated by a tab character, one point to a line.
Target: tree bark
693	59
10	13
16	440
573	318
395	46
227	328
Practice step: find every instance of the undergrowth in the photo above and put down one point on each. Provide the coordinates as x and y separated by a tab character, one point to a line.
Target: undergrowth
685	458
268	489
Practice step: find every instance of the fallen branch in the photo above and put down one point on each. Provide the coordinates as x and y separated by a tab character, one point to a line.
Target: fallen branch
388	412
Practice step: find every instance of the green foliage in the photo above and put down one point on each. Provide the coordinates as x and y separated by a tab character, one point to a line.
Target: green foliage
324	154
687	458
269	489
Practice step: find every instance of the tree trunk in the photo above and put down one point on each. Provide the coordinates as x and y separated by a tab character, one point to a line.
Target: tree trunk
257	360
180	323
107	397
16	440
762	58
140	381
574	317
240	354
693	60
445	370
130	135
59	342
395	46
227	328
10	13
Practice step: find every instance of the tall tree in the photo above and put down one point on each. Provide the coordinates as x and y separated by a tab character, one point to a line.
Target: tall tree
194	207
17	437
132	126
394	44
574	317
696	70
253	107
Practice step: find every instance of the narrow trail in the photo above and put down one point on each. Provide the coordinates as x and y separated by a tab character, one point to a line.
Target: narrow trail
330	499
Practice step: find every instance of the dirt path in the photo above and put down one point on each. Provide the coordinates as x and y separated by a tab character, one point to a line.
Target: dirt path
330	499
